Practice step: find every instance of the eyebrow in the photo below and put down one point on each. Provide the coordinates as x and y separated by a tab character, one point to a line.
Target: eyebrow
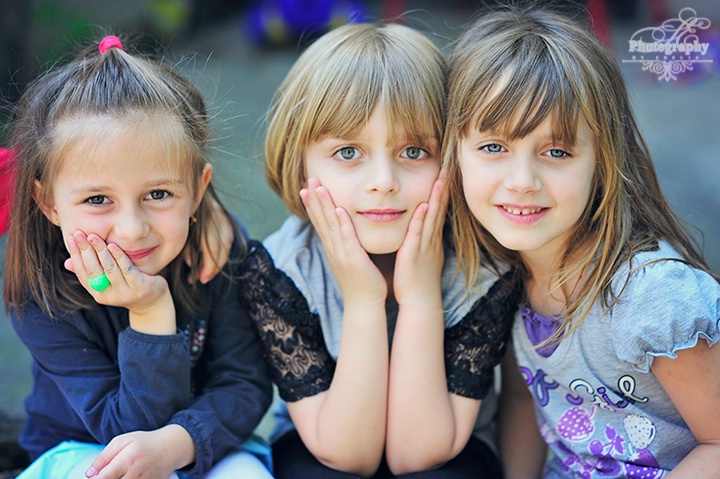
149	185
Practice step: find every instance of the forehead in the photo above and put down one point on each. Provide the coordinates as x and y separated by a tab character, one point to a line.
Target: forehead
515	112
103	143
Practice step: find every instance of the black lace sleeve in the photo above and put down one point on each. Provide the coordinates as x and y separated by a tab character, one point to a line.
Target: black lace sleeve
475	345
301	365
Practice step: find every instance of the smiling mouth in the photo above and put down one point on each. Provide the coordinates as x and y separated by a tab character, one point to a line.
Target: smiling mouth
522	211
140	254
382	216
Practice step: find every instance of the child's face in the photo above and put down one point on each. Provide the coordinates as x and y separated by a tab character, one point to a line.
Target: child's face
528	193
377	178
122	189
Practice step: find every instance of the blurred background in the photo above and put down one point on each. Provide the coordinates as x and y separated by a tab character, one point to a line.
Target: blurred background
238	52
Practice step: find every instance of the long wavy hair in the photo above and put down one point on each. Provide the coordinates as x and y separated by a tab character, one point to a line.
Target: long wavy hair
513	68
117	86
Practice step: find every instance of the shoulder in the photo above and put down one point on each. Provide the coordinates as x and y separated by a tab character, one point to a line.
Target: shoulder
662	305
294	238
461	298
297	251
661	277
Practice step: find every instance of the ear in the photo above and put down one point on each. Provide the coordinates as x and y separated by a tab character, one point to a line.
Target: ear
204	182
45	203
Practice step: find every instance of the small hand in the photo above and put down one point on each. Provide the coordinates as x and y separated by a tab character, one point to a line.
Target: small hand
419	262
356	274
142	454
91	257
215	246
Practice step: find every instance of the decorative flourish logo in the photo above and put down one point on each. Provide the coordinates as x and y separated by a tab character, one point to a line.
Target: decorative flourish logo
675	45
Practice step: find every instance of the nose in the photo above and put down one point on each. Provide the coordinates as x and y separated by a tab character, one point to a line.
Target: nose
522	175
131	224
382	174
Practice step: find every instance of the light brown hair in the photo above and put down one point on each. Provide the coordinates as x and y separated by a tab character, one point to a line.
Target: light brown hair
512	69
333	88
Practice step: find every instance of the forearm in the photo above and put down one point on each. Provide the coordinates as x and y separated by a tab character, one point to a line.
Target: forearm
522	448
427	425
344	427
701	462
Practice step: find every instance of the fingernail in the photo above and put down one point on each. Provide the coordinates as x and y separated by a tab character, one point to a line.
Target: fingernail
90	472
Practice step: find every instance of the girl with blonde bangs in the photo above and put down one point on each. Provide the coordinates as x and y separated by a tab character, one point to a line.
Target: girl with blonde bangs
381	359
548	173
333	93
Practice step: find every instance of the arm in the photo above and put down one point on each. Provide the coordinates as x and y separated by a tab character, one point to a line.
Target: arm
427	424
692	381
232	382
344	427
232	387
522	448
97	377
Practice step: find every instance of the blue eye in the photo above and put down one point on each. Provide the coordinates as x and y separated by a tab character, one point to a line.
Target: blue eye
414	153
492	148
347	153
557	153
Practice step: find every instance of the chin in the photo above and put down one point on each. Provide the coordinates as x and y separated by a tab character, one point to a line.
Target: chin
380	248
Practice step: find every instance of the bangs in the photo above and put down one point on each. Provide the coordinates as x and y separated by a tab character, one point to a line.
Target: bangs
411	91
527	93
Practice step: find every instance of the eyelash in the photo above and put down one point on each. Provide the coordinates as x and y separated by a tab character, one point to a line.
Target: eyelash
166	194
486	149
422	153
90	201
104	200
339	156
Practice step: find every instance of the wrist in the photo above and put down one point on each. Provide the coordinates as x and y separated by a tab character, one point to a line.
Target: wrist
179	441
158	318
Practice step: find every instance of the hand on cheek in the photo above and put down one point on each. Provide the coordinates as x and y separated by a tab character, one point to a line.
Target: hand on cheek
357	275
91	258
418	266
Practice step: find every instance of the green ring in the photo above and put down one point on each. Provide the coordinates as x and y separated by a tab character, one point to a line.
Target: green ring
99	283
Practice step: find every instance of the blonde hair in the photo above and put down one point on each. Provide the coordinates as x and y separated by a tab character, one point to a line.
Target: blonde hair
334	86
512	69
122	87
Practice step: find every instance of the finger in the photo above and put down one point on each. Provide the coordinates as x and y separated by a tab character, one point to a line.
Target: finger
75	257
327	208
315	210
210	265
414	235
437	206
125	270
88	256
347	229
219	253
216	246
69	265
102	460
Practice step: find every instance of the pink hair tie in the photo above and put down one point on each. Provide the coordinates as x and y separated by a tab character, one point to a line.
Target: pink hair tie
110	41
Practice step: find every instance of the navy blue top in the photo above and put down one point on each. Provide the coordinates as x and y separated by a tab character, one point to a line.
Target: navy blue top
95	378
